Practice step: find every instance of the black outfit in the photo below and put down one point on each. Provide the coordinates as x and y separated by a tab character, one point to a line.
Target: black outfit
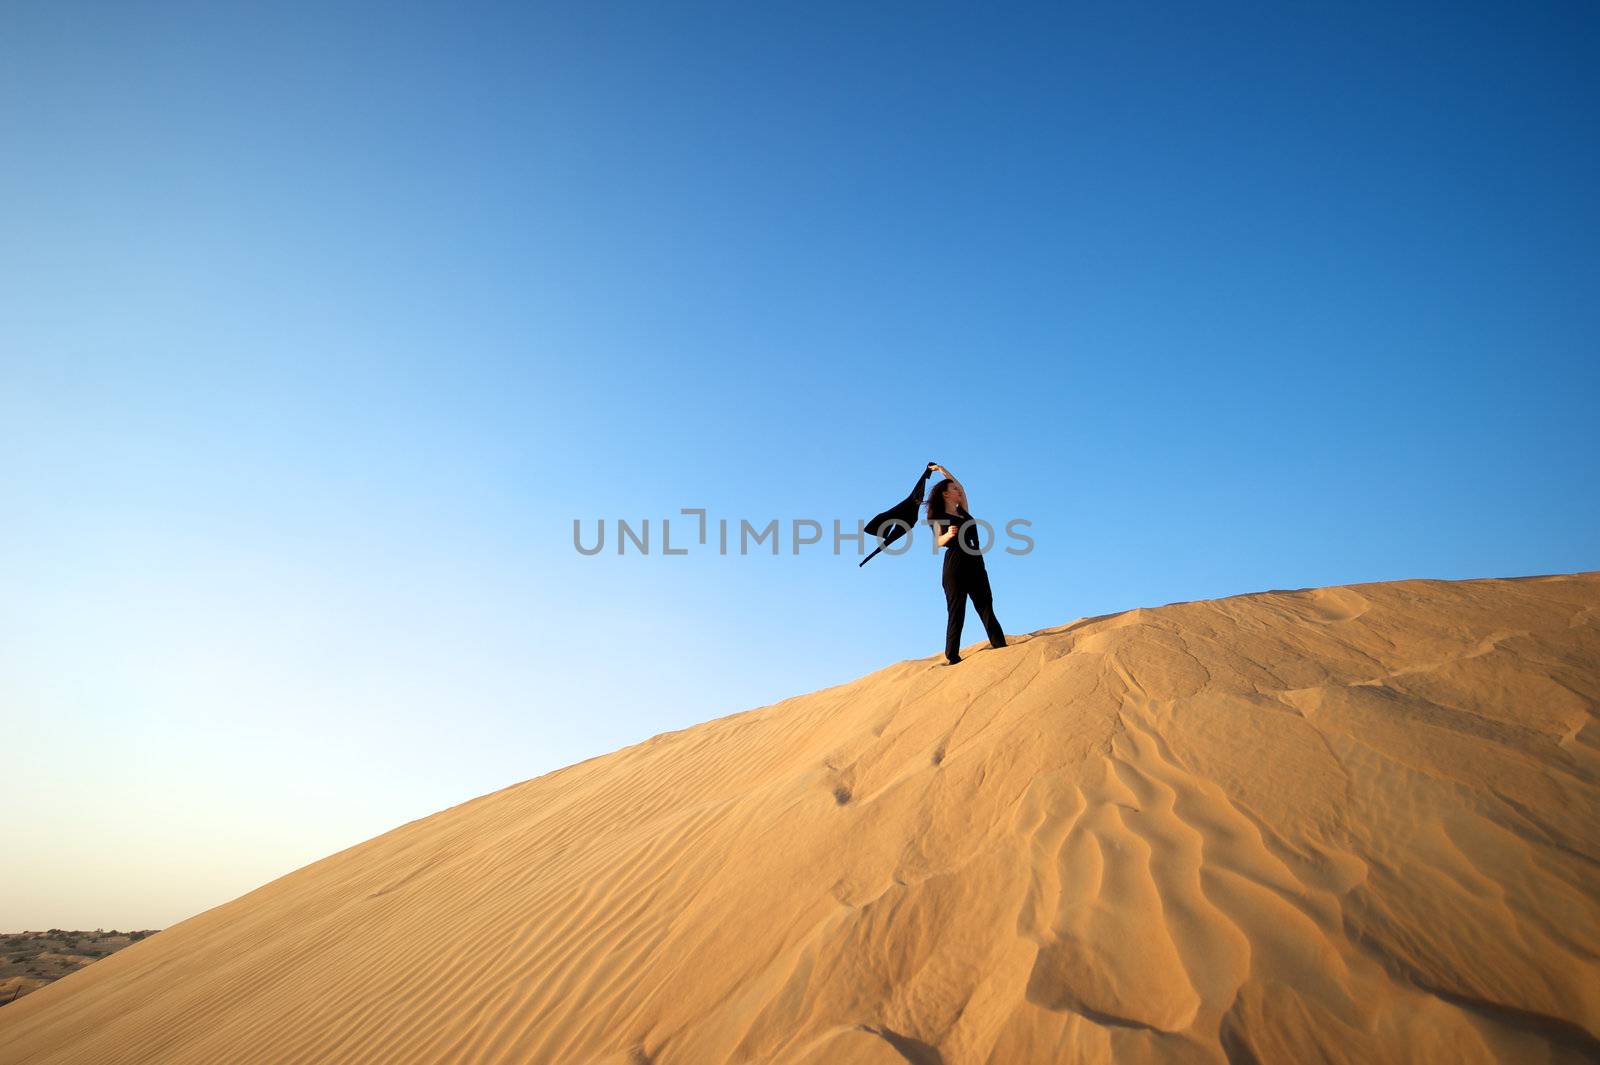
964	577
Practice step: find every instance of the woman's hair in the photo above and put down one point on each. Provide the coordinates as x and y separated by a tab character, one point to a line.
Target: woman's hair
936	507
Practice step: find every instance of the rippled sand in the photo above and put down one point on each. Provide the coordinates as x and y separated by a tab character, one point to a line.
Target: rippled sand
1355	824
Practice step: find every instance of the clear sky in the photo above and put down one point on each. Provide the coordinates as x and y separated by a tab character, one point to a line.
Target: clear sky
320	324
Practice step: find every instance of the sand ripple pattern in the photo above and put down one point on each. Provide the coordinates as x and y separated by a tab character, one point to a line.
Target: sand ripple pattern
1355	824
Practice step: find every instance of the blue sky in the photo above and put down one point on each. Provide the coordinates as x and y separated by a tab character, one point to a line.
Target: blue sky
320	324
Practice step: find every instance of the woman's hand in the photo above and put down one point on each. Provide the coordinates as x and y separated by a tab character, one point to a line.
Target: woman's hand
952	478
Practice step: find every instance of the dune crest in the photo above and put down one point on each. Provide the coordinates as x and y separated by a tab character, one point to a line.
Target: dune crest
1356	824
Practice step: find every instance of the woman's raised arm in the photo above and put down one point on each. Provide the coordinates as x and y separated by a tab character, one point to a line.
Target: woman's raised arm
941	470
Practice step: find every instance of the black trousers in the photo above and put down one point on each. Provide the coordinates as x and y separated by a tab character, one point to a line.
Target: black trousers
966	578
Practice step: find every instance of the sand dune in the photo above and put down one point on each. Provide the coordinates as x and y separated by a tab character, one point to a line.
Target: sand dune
1355	824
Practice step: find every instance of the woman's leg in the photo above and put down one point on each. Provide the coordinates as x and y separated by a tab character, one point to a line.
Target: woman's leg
955	603
983	602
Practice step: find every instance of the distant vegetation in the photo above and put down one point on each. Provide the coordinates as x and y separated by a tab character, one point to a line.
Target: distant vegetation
29	960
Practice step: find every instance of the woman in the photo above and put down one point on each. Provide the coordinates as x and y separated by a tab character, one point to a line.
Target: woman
964	572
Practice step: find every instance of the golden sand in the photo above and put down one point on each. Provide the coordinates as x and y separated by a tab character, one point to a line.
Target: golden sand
1356	824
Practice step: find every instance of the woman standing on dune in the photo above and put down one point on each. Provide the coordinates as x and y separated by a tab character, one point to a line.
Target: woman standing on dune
964	574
